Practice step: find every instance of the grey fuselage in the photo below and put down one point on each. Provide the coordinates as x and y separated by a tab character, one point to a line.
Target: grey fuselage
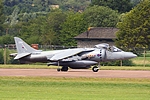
73	58
86	59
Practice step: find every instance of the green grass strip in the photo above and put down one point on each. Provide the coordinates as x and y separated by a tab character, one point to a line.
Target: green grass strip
49	88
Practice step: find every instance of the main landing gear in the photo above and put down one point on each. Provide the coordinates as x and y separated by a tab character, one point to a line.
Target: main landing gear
64	69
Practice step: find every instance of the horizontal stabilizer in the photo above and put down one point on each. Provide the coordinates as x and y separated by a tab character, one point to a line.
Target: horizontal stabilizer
21	55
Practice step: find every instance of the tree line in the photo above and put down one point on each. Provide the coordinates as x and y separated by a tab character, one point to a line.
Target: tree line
40	24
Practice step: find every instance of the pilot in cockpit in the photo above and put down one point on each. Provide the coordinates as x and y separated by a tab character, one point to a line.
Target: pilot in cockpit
108	47
114	49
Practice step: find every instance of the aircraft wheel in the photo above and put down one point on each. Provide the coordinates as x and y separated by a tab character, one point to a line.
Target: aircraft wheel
64	69
58	69
95	69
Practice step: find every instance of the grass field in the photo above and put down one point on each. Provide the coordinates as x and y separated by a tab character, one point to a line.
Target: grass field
139	61
48	88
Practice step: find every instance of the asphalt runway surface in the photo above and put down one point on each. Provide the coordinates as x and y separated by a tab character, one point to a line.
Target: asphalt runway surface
75	73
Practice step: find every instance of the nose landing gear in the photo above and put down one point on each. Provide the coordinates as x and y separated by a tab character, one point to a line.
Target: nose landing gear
95	69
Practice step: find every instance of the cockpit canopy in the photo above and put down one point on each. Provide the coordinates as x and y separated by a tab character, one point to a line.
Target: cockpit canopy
108	47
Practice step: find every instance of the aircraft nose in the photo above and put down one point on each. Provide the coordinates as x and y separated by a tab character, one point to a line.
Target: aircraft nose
128	55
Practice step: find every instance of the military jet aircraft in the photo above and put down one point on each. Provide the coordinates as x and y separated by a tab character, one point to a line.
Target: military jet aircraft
77	58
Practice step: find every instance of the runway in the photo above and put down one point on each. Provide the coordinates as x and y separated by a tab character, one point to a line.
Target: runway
75	73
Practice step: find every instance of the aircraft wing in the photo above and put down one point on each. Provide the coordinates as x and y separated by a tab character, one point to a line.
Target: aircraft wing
68	53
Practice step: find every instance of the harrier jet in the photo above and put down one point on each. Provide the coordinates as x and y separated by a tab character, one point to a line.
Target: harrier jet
77	58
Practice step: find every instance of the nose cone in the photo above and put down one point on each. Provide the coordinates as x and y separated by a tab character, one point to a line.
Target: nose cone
129	55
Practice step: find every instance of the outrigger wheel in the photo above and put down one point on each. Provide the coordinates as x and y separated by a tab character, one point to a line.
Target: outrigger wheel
95	69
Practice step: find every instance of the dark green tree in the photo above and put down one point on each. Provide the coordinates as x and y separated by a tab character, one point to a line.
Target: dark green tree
120	5
6	39
38	31
135	2
1	56
100	16
44	28
134	28
74	5
55	19
2	17
74	25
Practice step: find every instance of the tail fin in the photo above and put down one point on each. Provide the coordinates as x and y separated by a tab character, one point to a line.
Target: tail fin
23	48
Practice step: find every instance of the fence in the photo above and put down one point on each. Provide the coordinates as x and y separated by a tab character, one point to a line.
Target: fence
143	58
37	46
